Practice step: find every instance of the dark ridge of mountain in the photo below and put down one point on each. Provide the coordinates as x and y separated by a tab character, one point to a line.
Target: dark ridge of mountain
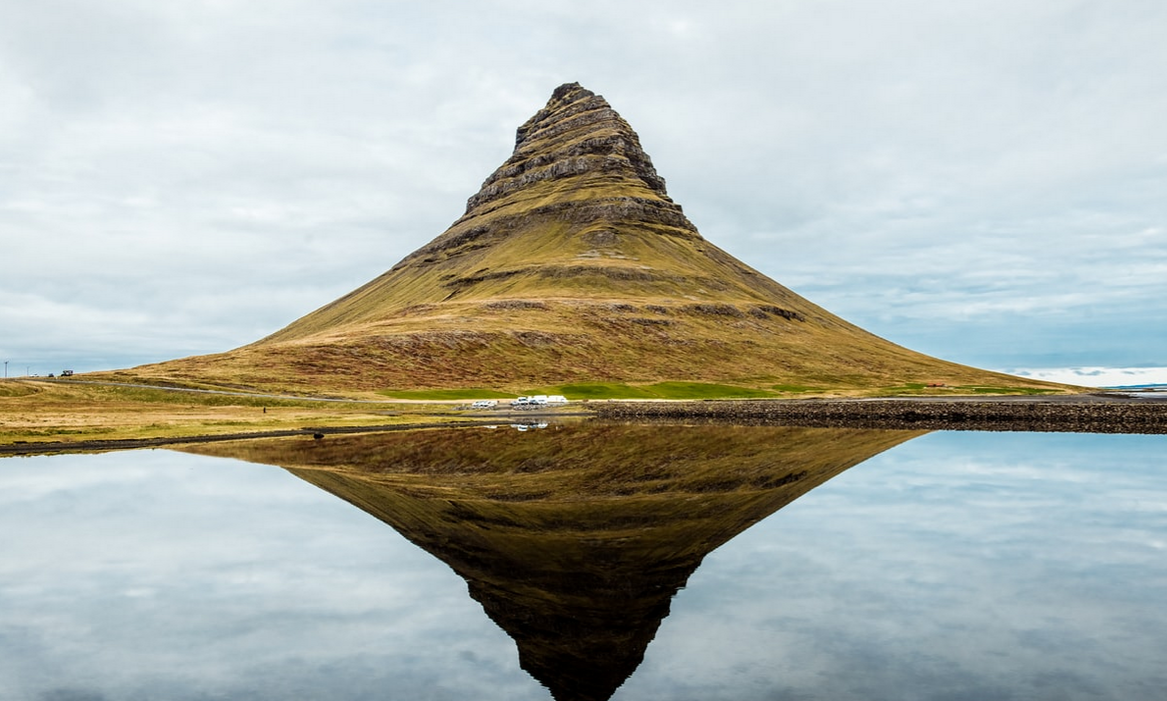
574	539
571	264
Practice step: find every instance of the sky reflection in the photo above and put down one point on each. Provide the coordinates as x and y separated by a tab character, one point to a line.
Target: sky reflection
978	566
955	566
159	575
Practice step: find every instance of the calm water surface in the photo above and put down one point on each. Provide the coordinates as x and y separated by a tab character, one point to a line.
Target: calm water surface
951	566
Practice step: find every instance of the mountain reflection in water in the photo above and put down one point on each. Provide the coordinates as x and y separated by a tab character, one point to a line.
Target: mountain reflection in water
573	538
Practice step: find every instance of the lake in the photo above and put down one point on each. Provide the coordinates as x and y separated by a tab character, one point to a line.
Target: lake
591	561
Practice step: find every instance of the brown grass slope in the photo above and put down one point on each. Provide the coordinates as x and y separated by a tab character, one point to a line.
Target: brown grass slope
570	265
574	540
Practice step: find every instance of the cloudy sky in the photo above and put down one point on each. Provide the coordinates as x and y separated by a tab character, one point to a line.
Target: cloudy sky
982	180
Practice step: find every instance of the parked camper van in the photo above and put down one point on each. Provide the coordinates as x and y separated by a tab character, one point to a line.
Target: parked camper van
538	400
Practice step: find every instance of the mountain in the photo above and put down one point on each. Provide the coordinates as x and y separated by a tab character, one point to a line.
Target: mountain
571	264
574	539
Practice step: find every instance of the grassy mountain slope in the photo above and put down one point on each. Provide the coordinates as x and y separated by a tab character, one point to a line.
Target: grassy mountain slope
570	265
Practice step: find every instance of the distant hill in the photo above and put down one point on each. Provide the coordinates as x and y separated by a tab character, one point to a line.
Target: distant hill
572	265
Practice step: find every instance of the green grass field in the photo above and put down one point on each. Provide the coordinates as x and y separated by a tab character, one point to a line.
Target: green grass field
657	390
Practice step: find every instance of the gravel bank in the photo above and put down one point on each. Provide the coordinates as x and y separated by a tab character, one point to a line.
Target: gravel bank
1076	413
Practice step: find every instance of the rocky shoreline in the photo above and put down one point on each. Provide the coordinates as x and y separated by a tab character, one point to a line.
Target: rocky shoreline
1098	413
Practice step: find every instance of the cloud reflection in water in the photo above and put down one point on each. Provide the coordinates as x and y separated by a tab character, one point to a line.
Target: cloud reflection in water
955	566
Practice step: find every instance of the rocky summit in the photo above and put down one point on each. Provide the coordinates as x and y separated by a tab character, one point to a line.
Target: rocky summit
571	264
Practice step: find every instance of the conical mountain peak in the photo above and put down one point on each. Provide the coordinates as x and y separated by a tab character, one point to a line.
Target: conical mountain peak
571	264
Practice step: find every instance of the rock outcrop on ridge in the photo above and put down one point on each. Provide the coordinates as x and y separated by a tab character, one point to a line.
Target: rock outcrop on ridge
570	264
